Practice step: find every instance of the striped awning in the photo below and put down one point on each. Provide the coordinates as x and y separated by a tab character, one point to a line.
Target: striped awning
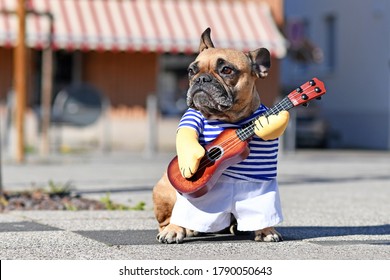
144	25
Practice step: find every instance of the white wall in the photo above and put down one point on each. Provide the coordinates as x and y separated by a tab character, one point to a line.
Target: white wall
358	98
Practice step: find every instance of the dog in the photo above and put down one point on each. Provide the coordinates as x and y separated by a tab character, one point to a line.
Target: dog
222	92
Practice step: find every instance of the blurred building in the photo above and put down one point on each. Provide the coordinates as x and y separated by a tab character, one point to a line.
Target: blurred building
131	48
346	44
127	50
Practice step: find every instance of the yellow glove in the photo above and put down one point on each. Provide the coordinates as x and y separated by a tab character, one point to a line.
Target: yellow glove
189	151
273	126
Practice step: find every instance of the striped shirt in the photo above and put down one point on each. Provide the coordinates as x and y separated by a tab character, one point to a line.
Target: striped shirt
261	163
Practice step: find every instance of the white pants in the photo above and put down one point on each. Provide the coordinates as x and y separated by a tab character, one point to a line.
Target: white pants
255	206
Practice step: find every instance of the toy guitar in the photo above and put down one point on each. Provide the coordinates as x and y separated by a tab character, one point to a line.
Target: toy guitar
231	146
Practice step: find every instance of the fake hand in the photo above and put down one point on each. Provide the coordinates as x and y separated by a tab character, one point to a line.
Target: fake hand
272	127
189	151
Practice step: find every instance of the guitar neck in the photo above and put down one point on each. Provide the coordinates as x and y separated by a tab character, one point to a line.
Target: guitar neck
247	131
301	95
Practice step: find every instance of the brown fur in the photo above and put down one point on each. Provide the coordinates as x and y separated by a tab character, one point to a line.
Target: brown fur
238	88
247	99
164	198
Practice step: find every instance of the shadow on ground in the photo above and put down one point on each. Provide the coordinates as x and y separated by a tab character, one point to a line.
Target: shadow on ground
299	233
308	232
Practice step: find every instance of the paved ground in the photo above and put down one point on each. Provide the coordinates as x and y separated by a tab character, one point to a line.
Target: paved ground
336	206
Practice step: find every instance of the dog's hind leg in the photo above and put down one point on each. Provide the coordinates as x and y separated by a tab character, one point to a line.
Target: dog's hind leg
164	198
268	235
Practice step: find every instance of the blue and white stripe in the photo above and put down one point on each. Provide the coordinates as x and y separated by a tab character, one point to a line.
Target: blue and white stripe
259	166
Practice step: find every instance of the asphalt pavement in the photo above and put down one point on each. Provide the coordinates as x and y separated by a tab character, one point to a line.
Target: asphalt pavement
336	206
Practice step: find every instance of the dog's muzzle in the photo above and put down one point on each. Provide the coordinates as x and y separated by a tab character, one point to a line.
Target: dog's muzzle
208	94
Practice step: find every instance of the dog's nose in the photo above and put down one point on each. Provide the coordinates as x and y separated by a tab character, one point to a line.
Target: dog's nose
204	78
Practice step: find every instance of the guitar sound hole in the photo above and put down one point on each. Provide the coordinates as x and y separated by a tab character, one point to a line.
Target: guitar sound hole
214	153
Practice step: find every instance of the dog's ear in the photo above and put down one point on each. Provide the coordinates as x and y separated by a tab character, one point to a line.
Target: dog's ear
261	62
205	40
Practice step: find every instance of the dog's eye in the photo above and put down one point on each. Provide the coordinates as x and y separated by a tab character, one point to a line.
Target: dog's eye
226	70
190	72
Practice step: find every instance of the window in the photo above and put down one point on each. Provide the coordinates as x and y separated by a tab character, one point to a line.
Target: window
330	42
173	83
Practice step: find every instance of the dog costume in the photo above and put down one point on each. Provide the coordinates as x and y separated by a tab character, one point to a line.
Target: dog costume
222	93
248	190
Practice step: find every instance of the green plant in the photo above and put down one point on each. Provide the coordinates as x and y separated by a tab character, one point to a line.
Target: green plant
139	207
3	200
60	189
70	207
110	205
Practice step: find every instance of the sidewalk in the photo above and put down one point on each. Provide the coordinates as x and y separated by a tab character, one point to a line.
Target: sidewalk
335	203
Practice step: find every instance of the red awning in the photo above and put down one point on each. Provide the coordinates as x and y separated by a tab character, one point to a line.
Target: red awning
145	25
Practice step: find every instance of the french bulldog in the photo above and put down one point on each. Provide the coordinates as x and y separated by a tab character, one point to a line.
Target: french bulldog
221	88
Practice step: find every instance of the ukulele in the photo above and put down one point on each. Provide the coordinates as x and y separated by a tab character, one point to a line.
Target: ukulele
231	146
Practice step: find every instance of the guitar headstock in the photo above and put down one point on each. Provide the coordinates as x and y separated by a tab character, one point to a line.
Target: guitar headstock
306	92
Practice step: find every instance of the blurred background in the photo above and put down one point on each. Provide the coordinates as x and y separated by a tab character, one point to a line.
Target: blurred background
86	75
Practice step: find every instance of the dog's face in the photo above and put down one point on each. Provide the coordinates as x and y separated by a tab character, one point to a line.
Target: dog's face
222	81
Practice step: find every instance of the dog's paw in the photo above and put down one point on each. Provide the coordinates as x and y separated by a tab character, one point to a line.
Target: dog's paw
192	233
171	234
268	235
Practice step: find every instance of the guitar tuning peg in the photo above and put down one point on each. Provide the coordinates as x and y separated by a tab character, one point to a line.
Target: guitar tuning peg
305	104
319	98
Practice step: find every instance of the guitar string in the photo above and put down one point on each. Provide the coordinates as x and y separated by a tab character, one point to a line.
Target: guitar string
232	141
284	104
248	131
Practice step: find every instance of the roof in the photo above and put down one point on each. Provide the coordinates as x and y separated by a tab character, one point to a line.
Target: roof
145	25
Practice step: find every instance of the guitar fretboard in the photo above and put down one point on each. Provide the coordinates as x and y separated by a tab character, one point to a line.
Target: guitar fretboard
248	131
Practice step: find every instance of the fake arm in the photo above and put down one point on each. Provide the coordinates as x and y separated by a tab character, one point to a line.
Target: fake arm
189	151
272	127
